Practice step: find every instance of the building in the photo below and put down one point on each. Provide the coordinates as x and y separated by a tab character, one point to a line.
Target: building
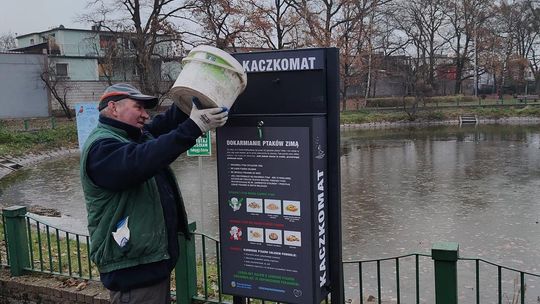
91	55
23	93
86	61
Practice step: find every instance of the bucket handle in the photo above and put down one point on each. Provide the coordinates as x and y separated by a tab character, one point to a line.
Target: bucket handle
214	63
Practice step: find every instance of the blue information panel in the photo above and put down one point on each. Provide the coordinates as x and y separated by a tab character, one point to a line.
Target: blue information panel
87	116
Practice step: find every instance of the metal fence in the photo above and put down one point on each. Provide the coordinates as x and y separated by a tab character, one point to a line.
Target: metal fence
36	246
31	244
56	251
412	278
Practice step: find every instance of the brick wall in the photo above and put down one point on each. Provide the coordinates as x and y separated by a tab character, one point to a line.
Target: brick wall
84	91
33	289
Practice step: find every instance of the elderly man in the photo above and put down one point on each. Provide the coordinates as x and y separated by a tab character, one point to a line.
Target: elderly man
135	208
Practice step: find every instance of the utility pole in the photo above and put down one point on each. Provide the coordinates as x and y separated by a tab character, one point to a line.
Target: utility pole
368	85
475	62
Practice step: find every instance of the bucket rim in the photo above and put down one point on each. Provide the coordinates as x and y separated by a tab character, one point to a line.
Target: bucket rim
220	53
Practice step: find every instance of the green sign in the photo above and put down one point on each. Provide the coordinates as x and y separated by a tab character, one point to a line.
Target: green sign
203	146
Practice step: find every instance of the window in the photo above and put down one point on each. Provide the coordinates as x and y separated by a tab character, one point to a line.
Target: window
32	42
106	41
61	69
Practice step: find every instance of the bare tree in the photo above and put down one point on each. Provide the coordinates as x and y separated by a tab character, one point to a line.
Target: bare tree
465	18
151	30
56	85
322	17
223	21
271	23
422	21
354	38
7	42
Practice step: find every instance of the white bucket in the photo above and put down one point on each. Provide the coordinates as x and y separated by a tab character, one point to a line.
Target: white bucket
211	75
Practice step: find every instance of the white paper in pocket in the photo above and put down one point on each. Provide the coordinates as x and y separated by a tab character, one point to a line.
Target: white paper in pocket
121	236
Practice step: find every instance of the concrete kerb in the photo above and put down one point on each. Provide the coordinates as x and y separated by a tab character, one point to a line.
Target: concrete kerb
397	124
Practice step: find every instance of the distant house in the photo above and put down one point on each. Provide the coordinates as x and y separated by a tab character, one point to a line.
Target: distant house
87	60
85	55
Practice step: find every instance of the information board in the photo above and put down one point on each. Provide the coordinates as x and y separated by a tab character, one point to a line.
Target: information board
269	206
87	116
202	147
278	180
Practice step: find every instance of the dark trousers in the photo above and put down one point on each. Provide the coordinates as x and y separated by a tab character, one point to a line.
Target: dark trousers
159	293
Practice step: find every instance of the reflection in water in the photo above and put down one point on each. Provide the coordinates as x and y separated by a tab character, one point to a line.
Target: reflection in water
405	189
402	190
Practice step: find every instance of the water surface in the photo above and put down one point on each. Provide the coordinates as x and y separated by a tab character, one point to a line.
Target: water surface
402	190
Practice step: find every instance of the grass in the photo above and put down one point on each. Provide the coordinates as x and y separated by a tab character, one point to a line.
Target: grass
438	114
19	142
18	137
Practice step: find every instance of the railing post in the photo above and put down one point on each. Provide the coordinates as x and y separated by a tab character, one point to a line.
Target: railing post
17	239
186	267
445	255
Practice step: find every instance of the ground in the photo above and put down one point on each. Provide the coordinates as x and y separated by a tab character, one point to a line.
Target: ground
56	285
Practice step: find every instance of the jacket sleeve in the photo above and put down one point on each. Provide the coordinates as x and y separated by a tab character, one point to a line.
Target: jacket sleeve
167	121
116	165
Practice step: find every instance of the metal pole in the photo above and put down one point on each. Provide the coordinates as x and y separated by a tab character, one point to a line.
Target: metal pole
475	66
445	256
368	85
201	193
186	267
337	284
17	239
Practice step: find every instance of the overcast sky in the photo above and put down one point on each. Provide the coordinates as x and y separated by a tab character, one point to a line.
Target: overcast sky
27	16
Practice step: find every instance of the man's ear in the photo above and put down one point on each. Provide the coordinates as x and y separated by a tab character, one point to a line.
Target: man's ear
112	108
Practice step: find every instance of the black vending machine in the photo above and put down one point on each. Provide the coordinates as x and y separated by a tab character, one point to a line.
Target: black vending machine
278	179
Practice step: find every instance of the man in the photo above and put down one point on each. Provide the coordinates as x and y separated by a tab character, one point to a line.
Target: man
135	208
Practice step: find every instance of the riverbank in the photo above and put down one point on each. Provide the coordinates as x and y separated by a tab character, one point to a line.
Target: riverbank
23	143
449	122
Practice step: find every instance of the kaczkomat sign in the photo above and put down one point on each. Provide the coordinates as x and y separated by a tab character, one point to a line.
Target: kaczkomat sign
273	181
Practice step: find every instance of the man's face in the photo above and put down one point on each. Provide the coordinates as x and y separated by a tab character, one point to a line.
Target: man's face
130	111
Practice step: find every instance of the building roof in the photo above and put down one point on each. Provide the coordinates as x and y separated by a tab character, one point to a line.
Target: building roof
95	29
33	49
62	28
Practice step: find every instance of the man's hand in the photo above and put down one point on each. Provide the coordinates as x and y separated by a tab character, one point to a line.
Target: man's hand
209	119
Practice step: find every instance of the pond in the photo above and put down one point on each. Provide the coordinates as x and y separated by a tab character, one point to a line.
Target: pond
402	190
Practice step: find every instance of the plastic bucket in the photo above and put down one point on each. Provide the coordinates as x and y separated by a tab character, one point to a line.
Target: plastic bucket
211	75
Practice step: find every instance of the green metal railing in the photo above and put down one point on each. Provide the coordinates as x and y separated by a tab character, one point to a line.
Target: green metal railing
58	251
360	267
28	244
445	288
34	245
